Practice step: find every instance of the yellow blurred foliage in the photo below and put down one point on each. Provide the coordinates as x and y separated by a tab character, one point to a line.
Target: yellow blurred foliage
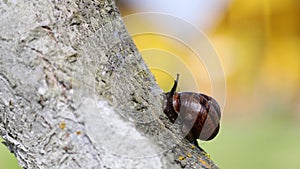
259	42
163	53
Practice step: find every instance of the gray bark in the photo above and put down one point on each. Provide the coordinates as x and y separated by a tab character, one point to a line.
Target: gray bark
75	92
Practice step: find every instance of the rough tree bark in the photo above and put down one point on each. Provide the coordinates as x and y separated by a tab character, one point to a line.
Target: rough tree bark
75	92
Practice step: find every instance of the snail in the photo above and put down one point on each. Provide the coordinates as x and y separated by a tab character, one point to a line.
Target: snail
198	114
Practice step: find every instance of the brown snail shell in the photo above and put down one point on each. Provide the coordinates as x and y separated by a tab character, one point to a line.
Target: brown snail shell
197	112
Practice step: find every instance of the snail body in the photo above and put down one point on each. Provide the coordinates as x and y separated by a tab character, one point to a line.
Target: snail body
198	113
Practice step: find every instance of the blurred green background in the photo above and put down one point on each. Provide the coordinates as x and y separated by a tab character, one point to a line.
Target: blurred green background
258	43
7	159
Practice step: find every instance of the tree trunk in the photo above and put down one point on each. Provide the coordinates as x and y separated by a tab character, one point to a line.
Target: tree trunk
75	92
